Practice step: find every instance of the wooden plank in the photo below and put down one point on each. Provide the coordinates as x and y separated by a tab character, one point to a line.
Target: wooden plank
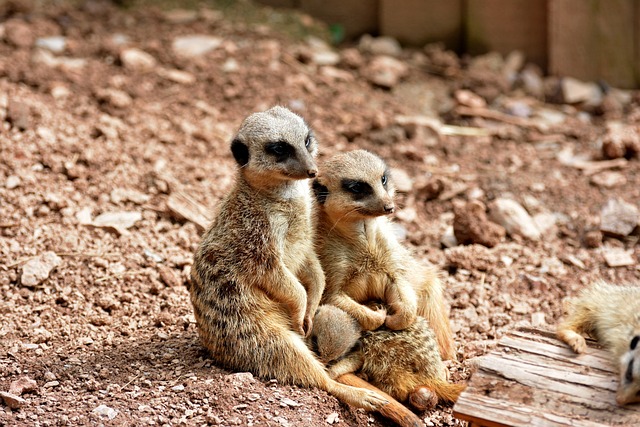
494	413
532	378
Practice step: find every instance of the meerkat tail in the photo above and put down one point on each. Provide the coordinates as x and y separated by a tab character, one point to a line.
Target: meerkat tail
448	392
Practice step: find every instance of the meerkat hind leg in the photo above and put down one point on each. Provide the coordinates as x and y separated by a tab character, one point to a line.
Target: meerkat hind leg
569	335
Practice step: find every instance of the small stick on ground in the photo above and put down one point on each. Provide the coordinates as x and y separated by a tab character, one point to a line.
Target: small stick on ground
393	410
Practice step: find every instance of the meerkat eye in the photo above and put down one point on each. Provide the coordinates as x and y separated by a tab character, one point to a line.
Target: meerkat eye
384	180
634	342
281	150
307	141
357	188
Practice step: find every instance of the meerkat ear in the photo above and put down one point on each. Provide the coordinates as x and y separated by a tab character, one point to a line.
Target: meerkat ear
321	192
240	152
634	342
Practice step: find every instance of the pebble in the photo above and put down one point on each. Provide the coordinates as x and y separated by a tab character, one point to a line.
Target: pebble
448	239
18	114
385	71
325	58
23	385
383	45
119	195
286	402
178	387
12	401
538	319
608	179
195	45
115	97
575	91
621	141
137	60
240	379
333	418
230	66
514	218
51	384
36	270
12	182
469	99
65	63
118	221
593	239
104	410
616	257
521	308
471	225
545	222
55	44
18	33
618	217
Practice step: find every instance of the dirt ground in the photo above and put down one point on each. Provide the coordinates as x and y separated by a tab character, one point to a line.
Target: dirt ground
122	120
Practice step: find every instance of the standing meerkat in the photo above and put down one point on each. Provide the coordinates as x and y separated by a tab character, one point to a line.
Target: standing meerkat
405	364
256	280
362	259
611	315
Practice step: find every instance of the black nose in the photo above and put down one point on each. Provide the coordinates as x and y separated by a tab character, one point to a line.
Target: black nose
389	208
312	173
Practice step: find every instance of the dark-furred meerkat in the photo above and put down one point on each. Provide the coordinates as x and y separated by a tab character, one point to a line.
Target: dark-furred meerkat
361	257
405	364
256	280
611	315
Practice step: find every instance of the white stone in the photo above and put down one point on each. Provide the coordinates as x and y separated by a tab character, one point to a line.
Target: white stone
385	71
12	182
36	270
195	45
55	44
575	91
514	218
137	60
105	411
118	221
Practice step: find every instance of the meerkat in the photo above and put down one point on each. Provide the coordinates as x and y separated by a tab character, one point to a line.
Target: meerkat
256	280
405	364
611	315
361	257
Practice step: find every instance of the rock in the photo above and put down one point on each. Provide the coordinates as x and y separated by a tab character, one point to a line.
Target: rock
51	384
532	81
230	66
194	45
36	270
18	114
118	221
593	239
546	223
18	33
618	218
608	179
448	239
168	277
286	402
385	71
84	216
574	91
351	58
12	401
119	195
105	411
616	257
538	319
514	218
521	308
177	76
62	62
240	379
12	182
137	60
621	141
383	45
114	97
469	99
178	387
23	385
325	58
470	225
55	44
333	418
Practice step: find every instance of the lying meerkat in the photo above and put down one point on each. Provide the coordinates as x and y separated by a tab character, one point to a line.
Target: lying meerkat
361	257
405	364
256	280
610	314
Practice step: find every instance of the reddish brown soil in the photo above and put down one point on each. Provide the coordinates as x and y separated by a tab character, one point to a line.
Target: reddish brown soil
113	326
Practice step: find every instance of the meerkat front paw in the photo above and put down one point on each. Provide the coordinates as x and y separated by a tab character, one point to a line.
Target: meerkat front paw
422	399
400	320
371	400
307	325
374	319
573	339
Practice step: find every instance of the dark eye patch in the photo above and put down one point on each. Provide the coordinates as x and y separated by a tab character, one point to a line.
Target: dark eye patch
359	189
634	342
281	150
628	375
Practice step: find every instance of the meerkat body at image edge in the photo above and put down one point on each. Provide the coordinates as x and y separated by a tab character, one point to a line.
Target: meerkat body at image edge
611	315
256	280
405	364
361	257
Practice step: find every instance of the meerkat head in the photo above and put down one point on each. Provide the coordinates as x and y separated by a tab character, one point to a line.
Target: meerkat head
334	333
355	185
629	388
275	146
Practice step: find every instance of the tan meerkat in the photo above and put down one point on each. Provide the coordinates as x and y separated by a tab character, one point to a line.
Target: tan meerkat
611	315
361	257
405	364
256	280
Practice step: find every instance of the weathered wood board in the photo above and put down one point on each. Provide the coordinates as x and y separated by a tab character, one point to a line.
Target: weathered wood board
533	379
